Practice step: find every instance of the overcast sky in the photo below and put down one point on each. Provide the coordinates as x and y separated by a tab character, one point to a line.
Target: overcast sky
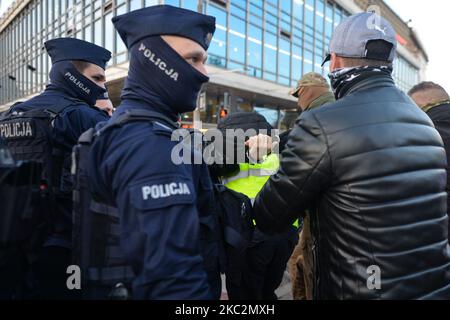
4	5
431	20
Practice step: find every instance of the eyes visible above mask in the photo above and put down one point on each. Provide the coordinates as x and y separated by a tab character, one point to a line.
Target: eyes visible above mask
198	63
96	75
66	76
190	51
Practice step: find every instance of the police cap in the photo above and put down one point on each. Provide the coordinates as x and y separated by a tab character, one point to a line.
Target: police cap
165	20
66	49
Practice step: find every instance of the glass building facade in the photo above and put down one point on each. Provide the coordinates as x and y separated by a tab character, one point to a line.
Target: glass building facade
405	74
274	40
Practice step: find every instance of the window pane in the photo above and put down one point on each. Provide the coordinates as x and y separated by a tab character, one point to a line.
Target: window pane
270	52
237	39
254	46
109	32
135	4
98	32
175	3
149	3
87	34
190	4
218	44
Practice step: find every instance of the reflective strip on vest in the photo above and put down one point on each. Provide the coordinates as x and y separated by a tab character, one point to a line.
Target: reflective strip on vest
251	173
252	178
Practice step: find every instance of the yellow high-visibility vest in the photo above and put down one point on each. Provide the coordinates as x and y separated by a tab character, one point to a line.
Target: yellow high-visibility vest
252	177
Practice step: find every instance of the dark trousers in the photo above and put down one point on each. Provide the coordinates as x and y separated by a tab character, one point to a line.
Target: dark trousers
50	274
266	262
215	284
13	271
44	279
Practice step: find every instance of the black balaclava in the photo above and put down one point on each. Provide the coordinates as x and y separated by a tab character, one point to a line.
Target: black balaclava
160	77
64	76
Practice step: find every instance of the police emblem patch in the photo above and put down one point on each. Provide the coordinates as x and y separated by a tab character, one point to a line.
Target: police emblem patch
208	38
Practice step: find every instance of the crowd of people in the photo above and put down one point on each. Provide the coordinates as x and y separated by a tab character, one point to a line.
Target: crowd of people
352	201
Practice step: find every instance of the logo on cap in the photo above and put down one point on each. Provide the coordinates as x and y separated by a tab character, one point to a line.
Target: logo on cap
383	31
208	38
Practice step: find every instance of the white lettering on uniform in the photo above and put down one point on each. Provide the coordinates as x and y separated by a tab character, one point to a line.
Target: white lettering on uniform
161	191
77	82
15	130
146	191
158	62
172	188
155	192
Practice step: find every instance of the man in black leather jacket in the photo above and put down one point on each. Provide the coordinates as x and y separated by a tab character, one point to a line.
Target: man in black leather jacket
435	101
371	169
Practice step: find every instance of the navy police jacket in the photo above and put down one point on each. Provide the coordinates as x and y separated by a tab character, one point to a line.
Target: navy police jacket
67	128
161	205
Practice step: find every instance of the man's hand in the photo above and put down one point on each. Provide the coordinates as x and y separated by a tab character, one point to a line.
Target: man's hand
259	146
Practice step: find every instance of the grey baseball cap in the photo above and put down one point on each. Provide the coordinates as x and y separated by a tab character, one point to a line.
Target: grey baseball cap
359	36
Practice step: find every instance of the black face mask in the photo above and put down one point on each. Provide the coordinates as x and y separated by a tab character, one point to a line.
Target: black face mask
65	76
159	76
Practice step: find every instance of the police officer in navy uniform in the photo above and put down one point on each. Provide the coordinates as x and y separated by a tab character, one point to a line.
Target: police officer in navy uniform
77	80
161	204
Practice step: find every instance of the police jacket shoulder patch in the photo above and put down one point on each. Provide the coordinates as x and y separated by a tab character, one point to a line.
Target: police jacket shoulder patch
161	192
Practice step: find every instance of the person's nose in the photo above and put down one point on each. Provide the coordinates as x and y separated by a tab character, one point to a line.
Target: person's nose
202	68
